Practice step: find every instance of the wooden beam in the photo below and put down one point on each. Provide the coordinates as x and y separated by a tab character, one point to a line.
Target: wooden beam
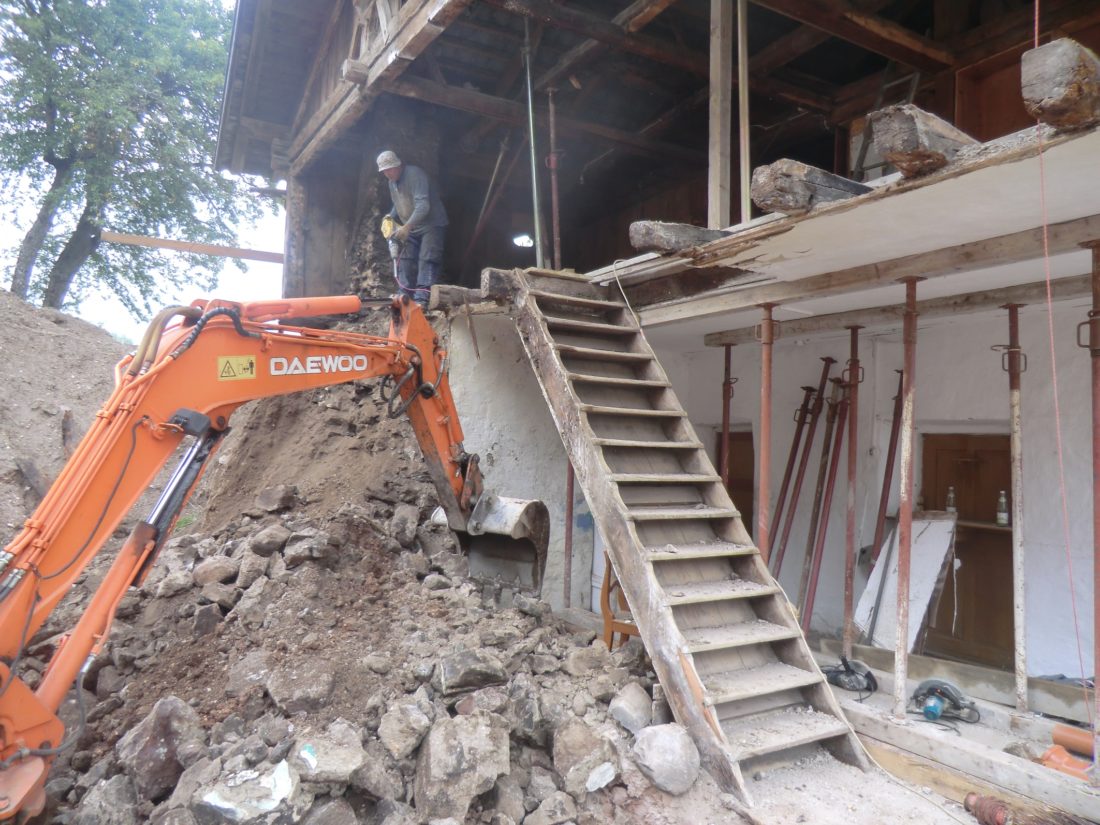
1061	84
795	188
191	246
915	141
1005	249
1062	289
841	19
658	236
515	114
604	31
719	120
632	19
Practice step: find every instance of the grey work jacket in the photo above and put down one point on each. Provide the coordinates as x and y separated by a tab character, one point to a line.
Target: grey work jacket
416	203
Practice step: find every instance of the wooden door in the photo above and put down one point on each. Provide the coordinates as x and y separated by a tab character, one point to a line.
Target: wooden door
742	476
973	621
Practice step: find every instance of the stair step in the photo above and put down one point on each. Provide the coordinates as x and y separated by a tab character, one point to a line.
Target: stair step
591	327
664	478
615	381
654	445
717	591
710	550
630	412
573	300
701	639
735	685
679	512
593	354
780	730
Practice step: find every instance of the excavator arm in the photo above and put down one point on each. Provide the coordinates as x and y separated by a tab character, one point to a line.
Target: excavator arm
195	366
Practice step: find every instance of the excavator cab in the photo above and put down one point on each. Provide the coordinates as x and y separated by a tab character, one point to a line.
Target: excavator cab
193	368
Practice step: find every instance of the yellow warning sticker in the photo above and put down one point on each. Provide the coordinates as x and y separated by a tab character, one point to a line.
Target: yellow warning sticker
236	367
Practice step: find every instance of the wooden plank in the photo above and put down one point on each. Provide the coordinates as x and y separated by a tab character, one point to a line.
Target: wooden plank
1052	698
759	681
915	141
794	188
1062	289
515	114
869	31
778	730
1008	773
1061	84
191	246
710	591
701	639
1005	249
719	120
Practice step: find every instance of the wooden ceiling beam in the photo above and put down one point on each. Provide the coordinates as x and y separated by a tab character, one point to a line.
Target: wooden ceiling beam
515	114
790	47
840	18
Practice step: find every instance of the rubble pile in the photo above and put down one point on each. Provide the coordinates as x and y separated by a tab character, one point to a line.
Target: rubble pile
344	670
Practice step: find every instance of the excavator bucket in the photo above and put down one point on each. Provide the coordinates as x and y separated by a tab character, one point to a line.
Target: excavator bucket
506	541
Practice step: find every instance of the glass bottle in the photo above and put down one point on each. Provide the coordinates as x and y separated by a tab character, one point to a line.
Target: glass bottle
949	505
1002	509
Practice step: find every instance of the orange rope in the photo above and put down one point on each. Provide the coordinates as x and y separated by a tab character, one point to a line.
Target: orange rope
1057	406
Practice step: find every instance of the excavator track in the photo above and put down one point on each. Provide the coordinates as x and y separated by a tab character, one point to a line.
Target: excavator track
721	633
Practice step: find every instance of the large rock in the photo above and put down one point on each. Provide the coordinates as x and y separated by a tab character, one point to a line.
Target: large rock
332	812
460	758
406	518
112	800
270	540
279	497
668	757
301	685
262	796
402	728
250	670
330	757
468	670
155	752
215	569
554	810
632	707
580	661
378	776
578	752
306	545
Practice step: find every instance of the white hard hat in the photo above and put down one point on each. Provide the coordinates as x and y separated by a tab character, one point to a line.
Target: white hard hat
388	160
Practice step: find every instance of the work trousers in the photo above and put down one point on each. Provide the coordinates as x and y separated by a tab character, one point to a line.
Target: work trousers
420	263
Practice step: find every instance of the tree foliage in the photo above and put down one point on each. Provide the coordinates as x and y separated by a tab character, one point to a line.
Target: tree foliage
109	111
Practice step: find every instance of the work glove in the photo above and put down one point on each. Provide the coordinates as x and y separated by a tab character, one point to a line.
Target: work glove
402	234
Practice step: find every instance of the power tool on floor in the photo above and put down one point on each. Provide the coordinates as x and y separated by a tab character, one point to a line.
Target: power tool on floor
854	676
936	699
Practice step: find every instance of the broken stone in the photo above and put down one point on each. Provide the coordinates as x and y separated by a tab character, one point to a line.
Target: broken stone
279	497
507	798
252	797
406	518
542	784
468	670
578	751
332	812
668	758
300	685
460	759
581	661
531	606
378	776
250	670
402	728
252	606
152	752
330	757
109	680
204	772
206	620
270	540
554	810
224	595
632	707
112	800
215	569
601	776
176	582
253	566
434	581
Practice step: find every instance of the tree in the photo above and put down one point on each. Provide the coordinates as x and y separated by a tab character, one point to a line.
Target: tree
109	108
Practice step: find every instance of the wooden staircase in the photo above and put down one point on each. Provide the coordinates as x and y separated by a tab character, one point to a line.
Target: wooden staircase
721	633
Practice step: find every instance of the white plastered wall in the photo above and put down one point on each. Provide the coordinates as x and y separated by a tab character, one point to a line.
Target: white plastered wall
505	420
960	388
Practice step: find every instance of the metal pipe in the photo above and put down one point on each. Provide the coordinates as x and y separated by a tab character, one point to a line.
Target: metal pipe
767	338
540	259
905	503
888	475
819	491
800	417
1014	366
850	527
727	398
744	162
552	162
826	505
1094	351
803	463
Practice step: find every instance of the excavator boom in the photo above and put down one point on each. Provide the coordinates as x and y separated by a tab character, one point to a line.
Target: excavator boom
195	366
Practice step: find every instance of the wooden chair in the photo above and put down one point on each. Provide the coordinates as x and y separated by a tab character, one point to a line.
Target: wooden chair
615	620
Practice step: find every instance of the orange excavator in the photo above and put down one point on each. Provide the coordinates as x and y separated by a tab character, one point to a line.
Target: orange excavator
193	368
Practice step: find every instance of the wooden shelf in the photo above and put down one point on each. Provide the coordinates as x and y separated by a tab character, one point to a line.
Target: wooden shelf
985	525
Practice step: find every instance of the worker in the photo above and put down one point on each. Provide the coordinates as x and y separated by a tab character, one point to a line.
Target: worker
416	206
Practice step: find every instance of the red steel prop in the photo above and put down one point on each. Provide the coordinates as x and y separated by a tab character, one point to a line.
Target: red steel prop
819	492
800	417
767	338
854	378
888	476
